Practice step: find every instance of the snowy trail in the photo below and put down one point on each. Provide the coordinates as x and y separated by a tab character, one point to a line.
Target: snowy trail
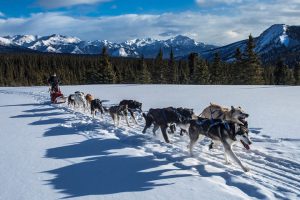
275	174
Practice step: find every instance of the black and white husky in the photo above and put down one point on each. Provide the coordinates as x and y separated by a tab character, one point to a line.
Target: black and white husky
219	131
133	106
96	105
117	111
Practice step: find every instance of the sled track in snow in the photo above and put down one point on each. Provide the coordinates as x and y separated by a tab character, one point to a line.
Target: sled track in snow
271	176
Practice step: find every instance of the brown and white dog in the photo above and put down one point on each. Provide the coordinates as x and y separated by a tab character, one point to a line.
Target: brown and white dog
89	99
214	111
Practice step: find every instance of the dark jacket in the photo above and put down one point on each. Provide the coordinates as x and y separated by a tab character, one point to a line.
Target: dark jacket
53	80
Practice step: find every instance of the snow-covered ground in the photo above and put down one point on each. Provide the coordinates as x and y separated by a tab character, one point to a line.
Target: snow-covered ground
52	152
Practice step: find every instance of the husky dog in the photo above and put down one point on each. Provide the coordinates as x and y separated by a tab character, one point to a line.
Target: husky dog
214	111
89	99
162	118
117	111
187	114
96	105
226	133
71	100
79	99
132	107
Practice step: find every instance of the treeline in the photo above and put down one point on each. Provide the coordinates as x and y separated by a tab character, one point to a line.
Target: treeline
34	69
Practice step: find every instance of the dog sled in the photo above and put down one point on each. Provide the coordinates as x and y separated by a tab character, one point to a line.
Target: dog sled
57	97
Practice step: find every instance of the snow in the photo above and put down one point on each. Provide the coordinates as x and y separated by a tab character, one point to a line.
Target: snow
77	50
53	152
284	38
52	49
4	41
24	39
120	52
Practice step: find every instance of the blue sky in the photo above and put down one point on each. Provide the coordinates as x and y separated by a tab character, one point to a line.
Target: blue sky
210	21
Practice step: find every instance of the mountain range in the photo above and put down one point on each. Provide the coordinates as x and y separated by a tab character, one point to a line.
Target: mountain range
279	40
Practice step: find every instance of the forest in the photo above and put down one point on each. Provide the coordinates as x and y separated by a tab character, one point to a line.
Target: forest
28	69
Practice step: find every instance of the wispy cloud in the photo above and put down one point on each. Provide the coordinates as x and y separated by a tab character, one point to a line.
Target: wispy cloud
67	3
216	2
2	14
253	17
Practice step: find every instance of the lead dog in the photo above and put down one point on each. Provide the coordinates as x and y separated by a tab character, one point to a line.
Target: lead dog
226	133
132	107
214	111
162	118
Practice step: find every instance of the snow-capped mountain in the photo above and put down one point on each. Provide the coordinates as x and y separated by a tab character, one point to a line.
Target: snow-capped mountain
148	47
279	40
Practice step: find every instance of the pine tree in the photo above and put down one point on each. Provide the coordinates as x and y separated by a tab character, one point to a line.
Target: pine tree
193	59
183	69
237	68
268	75
108	75
253	69
281	73
160	71
201	73
216	71
145	76
172	71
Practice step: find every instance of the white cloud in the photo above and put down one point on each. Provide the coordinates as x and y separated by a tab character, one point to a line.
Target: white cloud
232	34
215	2
67	3
209	28
2	14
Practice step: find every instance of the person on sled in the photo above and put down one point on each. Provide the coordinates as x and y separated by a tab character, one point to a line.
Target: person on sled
53	81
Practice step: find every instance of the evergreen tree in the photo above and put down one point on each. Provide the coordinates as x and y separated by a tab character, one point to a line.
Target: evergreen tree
172	71
216	71
183	72
281	73
268	75
108	75
193	59
237	69
253	69
201	73
160	72
145	76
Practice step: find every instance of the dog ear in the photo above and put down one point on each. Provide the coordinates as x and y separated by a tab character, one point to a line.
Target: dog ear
232	108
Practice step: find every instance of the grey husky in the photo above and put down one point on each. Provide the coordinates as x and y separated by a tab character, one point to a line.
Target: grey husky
226	133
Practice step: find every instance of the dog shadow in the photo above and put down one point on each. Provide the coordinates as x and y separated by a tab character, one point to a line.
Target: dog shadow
255	131
102	169
106	172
